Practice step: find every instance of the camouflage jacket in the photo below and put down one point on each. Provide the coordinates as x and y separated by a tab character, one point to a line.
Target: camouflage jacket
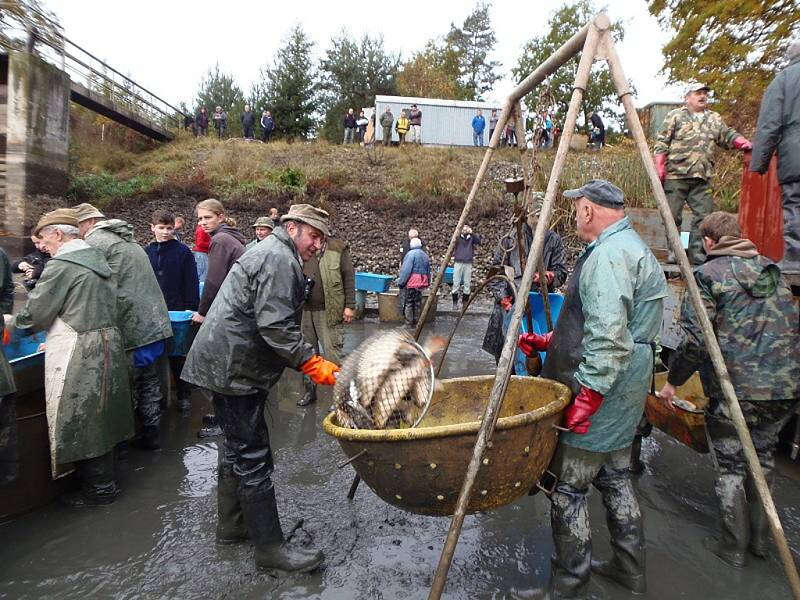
689	142
755	320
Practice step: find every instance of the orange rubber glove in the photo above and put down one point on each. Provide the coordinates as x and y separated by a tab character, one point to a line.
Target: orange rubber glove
533	342
507	303
321	371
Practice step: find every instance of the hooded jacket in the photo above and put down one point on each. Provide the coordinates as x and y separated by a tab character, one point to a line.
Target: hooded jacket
252	331
415	273
142	312
87	391
755	320
176	272
227	245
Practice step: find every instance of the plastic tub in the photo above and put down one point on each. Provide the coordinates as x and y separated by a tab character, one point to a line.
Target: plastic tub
373	282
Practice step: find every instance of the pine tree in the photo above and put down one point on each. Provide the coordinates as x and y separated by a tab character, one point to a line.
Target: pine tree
289	87
473	42
219	89
353	73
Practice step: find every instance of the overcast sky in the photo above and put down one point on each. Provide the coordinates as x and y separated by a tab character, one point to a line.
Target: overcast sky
168	45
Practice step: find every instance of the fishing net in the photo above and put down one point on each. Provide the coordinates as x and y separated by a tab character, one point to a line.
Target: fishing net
386	383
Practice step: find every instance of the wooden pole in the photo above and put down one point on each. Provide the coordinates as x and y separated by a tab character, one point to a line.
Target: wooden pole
600	23
712	345
570	48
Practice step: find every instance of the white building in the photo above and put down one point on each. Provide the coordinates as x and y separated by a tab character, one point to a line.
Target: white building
444	122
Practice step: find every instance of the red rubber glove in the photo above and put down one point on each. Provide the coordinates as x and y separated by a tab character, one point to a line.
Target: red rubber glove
533	342
321	371
586	403
548	275
661	166
507	303
742	143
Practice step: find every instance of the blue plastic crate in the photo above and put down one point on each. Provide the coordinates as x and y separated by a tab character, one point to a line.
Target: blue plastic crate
373	282
23	350
448	275
182	334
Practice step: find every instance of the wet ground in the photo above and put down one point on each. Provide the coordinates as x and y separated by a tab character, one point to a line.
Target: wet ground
157	540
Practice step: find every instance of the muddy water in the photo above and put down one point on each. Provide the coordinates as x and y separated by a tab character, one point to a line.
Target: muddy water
157	540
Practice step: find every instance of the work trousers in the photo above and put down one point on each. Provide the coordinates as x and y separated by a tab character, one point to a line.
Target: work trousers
147	394
791	227
387	135
741	512
348	135
462	277
697	194
576	469
415	134
412	307
245	451
201	261
327	341
184	388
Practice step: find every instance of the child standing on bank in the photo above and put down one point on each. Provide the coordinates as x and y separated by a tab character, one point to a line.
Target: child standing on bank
176	272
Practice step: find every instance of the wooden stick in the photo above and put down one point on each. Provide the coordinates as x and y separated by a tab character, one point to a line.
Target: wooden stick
712	345
600	23
570	48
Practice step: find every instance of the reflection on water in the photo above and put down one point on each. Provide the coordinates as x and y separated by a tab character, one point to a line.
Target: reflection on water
200	461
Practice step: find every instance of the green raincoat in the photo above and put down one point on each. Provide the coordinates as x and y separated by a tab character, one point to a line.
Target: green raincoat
86	384
610	317
142	312
7	385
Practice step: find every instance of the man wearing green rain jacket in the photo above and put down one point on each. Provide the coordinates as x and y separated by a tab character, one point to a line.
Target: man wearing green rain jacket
86	381
142	312
602	347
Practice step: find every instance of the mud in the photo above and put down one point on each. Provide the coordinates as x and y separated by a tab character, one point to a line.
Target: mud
157	540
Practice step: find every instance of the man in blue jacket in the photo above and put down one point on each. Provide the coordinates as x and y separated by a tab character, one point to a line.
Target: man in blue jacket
415	276
602	348
478	125
176	272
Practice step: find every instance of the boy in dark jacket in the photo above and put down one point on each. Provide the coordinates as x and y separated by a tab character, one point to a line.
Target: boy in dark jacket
176	272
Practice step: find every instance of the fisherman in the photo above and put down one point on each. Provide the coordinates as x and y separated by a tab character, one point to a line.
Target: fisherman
755	320
332	302
250	334
263	227
87	389
555	265
603	349
778	131
684	158
142	313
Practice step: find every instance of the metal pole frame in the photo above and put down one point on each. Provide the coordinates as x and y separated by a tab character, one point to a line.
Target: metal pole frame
597	43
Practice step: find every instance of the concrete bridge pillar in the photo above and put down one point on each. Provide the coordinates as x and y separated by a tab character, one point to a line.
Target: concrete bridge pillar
34	141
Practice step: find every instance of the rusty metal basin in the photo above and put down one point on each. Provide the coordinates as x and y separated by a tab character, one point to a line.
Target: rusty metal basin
686	426
421	470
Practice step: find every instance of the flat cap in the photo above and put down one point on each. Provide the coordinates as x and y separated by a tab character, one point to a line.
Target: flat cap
264	222
87	211
601	192
310	215
695	86
59	216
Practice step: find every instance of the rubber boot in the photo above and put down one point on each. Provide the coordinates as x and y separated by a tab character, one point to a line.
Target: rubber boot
464	301
184	404
626	567
270	549
230	521
455	301
98	487
310	394
735	525
148	439
211	428
759	527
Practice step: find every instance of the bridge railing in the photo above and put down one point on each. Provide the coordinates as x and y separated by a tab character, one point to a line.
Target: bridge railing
28	28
